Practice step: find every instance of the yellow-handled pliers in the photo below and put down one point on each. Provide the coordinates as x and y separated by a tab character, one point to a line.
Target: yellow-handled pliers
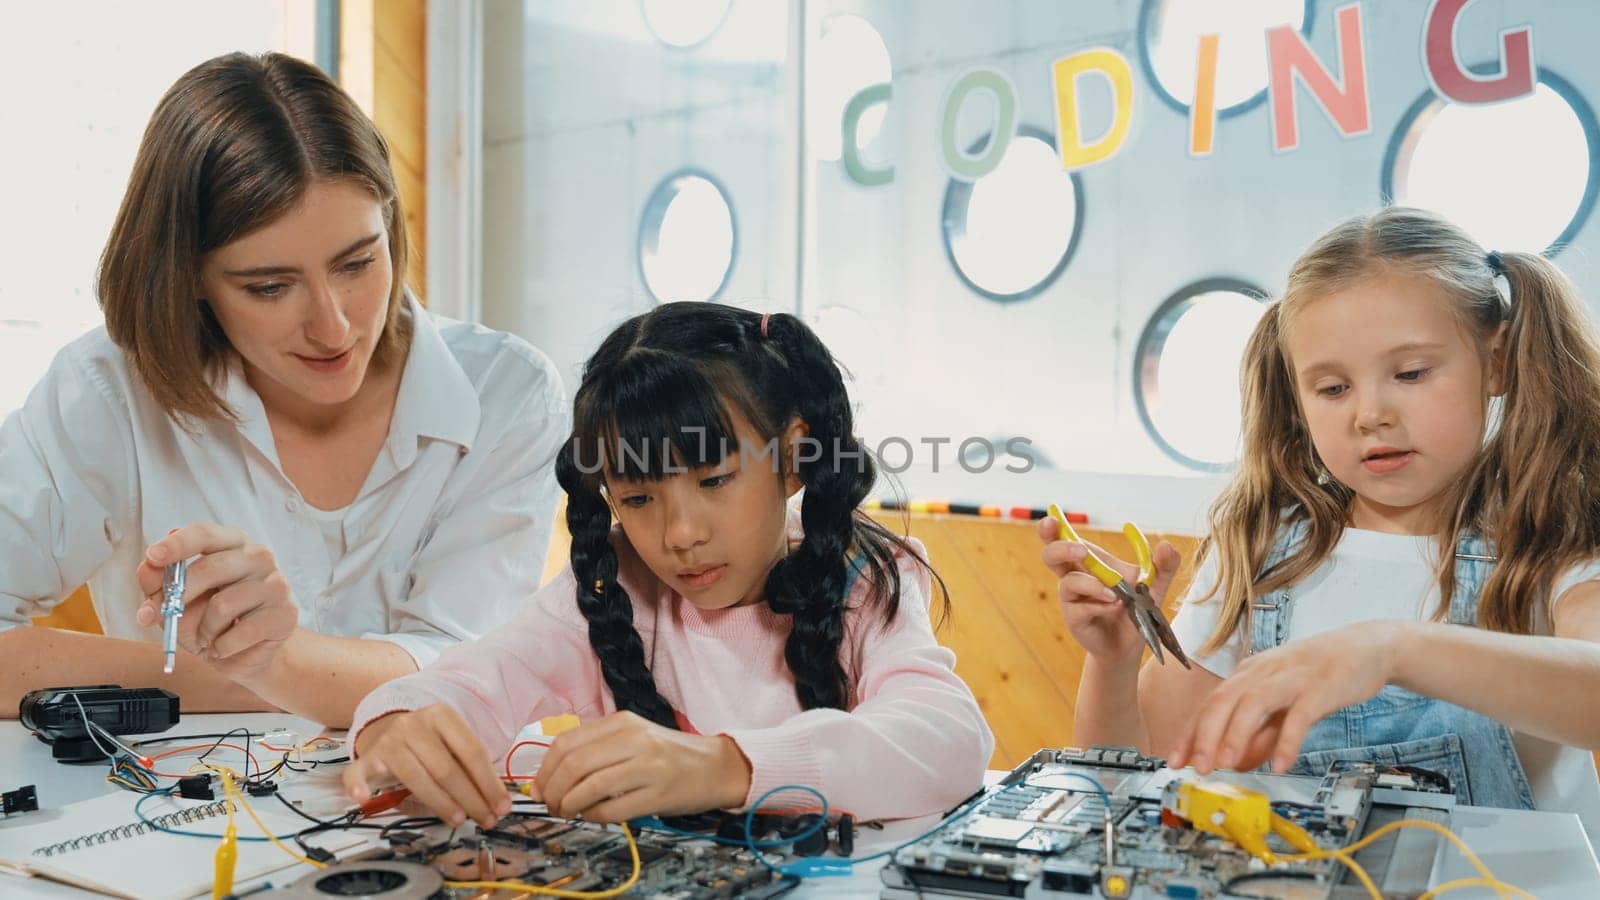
1136	599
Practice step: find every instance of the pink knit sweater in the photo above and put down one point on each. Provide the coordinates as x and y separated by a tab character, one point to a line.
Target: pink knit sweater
913	742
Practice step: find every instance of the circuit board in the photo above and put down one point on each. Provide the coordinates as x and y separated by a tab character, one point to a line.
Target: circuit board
544	851
1043	833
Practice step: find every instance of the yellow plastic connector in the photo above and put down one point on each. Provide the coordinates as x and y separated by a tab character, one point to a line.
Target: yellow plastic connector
1245	817
1240	815
228	851
1229	811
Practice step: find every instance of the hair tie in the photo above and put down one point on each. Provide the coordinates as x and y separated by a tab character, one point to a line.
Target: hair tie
1498	277
764	318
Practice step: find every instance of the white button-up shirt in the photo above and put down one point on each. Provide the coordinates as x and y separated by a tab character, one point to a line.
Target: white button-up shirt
446	539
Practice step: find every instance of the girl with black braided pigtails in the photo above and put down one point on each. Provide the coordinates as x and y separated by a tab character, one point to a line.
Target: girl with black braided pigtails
716	641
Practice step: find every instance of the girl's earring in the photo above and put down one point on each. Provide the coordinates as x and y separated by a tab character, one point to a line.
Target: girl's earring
1323	478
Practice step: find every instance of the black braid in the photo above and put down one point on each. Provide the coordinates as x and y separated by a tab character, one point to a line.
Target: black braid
809	584
609	611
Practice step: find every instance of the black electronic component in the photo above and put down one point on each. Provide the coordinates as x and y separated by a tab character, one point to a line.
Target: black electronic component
1069	877
814	844
387	879
766	828
844	836
23	799
196	787
57	716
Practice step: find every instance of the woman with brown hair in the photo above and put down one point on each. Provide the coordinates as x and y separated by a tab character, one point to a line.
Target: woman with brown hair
355	483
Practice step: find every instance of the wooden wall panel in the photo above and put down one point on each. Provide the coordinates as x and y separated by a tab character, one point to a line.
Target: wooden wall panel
384	65
1011	646
999	663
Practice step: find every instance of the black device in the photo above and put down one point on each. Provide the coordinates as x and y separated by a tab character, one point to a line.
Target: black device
23	799
59	716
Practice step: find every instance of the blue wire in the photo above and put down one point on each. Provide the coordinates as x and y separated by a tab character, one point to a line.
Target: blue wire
750	819
974	804
139	811
1104	797
655	824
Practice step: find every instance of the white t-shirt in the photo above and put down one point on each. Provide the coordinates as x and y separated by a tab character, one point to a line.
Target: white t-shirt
445	540
1372	575
331	523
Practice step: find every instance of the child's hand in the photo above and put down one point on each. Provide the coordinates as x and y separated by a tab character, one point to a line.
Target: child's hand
1269	703
432	752
624	766
1097	619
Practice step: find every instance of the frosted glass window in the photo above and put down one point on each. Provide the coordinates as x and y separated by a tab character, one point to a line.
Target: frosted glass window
686	240
1010	232
1187	384
850	56
684	23
1515	175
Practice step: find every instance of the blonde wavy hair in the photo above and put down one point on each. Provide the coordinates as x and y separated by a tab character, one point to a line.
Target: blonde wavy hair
1533	491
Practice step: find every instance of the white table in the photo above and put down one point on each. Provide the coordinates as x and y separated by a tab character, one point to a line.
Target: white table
1547	854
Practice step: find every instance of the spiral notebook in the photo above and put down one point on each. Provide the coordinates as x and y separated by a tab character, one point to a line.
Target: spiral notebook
100	845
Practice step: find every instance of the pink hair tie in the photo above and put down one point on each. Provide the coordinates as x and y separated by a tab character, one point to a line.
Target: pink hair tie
764	318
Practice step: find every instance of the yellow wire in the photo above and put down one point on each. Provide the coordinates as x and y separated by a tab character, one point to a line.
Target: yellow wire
227	853
114	779
1461	883
1488	878
1297	837
515	887
1358	871
233	793
130	777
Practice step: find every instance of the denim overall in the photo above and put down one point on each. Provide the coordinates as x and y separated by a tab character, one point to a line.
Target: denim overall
1398	727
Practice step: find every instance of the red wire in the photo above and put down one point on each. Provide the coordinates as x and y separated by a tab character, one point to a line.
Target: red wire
512	752
248	754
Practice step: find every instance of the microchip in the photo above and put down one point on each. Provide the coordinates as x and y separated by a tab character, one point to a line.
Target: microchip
528	832
998	832
647	855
